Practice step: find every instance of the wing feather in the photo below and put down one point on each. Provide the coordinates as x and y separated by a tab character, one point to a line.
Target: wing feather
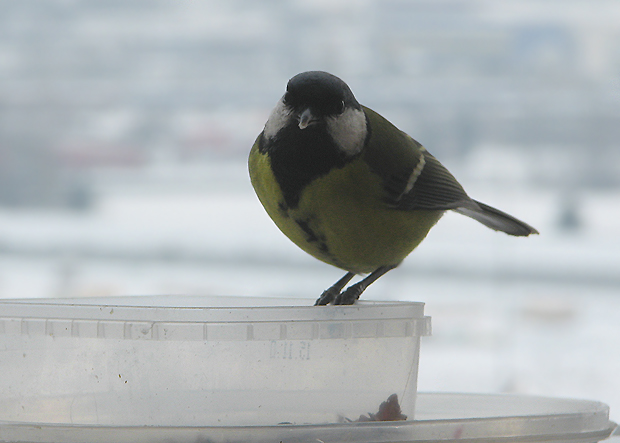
415	180
412	178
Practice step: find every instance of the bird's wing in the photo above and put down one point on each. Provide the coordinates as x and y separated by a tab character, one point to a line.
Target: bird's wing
412	177
435	188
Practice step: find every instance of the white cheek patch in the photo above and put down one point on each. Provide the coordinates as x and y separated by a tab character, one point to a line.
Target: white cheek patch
348	130
278	119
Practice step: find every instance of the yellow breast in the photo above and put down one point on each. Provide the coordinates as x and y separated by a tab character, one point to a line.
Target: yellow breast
341	218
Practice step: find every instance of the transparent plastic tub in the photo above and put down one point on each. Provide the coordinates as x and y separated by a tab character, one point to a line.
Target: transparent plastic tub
204	361
444	418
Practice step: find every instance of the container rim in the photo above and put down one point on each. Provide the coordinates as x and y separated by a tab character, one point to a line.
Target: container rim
205	309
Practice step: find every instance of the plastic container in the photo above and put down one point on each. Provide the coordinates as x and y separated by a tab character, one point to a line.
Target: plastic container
203	361
446	418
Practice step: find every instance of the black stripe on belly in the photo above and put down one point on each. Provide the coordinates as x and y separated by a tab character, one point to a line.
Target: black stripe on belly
312	236
299	156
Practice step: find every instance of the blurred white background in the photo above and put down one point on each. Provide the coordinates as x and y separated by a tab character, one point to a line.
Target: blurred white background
125	127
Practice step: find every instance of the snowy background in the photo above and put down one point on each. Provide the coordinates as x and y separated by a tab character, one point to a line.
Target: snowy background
125	126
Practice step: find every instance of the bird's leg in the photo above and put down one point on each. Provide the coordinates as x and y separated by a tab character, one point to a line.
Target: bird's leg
333	291
353	292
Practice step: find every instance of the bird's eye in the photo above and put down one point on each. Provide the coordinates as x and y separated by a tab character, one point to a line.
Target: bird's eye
341	107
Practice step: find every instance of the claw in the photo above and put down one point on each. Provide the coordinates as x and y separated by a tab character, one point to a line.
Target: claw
328	296
349	296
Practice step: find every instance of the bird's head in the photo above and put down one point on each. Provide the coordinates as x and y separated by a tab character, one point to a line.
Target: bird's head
317	100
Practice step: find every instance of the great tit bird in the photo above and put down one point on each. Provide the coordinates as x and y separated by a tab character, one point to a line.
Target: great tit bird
351	189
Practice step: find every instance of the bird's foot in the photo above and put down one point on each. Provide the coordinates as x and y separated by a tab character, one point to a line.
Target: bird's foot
349	295
328	296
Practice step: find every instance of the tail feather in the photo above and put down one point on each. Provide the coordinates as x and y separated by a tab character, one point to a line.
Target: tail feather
496	219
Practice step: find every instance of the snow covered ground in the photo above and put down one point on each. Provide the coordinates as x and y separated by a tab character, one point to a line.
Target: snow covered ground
537	316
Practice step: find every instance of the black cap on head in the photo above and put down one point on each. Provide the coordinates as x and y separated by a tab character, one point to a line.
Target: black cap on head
323	92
